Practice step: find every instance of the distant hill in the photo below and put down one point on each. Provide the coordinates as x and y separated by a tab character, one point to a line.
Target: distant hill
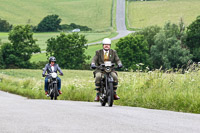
95	14
146	13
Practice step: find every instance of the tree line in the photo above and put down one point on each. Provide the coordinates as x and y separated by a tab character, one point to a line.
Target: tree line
50	23
68	49
170	46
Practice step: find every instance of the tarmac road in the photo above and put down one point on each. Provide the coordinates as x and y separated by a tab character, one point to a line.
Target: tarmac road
21	115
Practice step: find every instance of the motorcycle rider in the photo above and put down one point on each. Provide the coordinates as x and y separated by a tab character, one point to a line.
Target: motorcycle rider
105	54
50	68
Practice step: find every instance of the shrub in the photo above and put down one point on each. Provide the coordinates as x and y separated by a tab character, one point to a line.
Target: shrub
49	23
68	49
193	39
133	50
5	26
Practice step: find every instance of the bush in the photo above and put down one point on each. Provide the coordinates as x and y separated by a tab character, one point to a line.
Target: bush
133	50
74	26
193	39
170	50
69	50
2	64
49	23
5	26
17	53
149	33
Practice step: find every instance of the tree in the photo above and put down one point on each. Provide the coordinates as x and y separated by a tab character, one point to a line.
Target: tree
133	50
193	39
4	26
2	64
169	50
68	50
49	23
17	53
149	33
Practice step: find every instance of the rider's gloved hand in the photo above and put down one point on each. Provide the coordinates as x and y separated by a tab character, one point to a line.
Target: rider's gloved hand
61	74
93	66
120	65
43	75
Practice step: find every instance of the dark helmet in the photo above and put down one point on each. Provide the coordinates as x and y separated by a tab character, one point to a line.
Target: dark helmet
52	59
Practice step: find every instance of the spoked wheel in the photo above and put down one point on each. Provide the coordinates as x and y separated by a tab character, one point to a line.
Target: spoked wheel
102	99
50	93
55	92
110	95
103	102
51	97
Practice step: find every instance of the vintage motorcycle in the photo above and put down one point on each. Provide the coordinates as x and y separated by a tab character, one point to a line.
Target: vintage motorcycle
106	85
52	86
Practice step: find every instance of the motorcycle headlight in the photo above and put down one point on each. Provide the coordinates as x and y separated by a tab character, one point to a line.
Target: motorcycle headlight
107	69
54	75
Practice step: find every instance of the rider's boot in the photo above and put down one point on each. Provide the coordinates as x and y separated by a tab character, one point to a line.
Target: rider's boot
60	92
116	97
97	89
97	97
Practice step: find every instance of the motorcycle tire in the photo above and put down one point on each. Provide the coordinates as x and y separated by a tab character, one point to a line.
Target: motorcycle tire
51	97
110	95
55	92
103	103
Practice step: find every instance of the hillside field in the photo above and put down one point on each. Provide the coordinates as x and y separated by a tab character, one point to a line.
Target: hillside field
95	14
147	13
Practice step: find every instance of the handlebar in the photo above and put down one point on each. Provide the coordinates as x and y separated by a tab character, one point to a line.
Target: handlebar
103	65
50	74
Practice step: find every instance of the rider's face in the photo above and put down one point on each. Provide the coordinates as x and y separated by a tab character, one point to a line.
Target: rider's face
106	46
52	63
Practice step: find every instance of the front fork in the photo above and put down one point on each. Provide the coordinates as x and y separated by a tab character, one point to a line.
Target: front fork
108	79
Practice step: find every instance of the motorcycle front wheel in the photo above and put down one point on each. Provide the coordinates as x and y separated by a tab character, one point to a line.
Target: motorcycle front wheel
103	102
55	92
110	95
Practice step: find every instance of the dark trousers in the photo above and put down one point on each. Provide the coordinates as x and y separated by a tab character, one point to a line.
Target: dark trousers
46	83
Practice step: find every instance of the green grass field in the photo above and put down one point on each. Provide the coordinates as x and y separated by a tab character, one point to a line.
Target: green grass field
154	90
95	14
146	13
43	37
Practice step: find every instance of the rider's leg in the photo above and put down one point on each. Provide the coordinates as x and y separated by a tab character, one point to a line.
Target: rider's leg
46	85
115	83
59	85
97	84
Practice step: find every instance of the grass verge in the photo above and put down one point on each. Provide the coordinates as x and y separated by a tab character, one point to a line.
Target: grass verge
154	90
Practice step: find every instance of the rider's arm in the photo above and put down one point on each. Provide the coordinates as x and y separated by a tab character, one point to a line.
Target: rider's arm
45	69
117	60
60	71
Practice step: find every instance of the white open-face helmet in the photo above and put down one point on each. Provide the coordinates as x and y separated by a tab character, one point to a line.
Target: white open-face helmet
106	41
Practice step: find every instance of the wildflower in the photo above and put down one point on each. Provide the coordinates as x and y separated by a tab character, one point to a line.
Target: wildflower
186	71
149	71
